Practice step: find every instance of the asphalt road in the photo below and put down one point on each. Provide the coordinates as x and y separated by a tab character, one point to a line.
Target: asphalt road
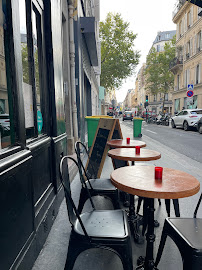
188	143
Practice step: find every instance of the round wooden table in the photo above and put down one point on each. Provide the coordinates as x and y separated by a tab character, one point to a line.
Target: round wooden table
121	143
130	155
140	180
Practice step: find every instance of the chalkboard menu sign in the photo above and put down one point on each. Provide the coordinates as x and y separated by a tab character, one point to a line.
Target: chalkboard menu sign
107	128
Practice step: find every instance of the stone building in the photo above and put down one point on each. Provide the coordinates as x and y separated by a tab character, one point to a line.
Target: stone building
156	101
187	64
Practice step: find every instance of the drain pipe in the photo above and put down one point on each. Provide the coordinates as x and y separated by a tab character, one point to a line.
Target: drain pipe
72	69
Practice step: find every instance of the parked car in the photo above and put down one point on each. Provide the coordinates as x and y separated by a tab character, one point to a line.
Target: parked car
186	118
128	115
4	124
199	125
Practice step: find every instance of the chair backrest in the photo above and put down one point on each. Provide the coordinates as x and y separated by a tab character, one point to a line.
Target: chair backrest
197	206
81	148
65	180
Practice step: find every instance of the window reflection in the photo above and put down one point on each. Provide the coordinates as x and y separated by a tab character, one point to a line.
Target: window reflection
27	83
36	59
5	138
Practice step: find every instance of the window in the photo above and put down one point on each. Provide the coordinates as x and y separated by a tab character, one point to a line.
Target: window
168	35
199	41
177	105
31	49
6	129
186	77
158	48
166	97
180	28
188	50
178	82
197	74
154	97
185	102
189	19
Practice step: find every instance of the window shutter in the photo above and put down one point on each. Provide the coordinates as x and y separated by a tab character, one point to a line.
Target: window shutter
195	45
195	74
201	41
191	19
178	31
188	76
199	75
184	78
185	25
191	41
184	52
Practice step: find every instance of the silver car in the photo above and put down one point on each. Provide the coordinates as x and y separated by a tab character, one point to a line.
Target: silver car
186	118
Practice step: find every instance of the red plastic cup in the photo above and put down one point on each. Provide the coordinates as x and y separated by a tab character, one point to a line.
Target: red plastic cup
128	140
137	150
158	172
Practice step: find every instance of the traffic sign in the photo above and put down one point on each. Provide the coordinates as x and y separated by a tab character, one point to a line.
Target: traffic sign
190	87
190	93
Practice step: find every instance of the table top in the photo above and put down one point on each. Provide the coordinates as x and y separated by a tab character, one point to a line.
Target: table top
140	180
128	154
119	143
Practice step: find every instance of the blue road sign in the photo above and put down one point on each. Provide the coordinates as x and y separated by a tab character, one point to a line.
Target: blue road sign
190	87
190	93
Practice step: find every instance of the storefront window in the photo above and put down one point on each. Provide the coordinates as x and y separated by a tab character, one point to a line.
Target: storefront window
31	47
27	81
177	105
5	127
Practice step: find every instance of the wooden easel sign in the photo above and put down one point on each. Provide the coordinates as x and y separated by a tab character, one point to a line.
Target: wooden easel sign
107	129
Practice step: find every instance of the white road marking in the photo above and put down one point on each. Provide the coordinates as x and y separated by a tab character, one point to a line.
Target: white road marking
151	131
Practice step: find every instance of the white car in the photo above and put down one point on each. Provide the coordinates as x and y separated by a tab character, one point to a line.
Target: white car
4	124
186	118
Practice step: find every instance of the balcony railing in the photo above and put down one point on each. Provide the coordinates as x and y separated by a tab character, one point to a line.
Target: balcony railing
176	62
178	6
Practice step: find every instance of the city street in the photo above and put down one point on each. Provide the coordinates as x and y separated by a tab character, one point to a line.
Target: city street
187	143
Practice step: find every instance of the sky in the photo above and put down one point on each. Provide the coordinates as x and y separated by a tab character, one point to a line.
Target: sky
146	18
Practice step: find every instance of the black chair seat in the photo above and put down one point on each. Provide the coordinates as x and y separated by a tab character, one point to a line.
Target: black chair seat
101	184
101	223
190	229
105	229
187	235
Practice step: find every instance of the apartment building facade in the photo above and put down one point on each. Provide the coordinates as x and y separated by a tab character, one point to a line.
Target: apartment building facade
156	101
187	64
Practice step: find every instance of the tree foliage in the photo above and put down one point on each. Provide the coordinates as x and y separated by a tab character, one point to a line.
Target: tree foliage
118	57
159	78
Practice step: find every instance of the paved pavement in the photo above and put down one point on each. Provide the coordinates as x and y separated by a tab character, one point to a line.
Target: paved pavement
53	255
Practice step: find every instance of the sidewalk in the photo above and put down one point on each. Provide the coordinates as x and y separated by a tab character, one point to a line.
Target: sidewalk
53	255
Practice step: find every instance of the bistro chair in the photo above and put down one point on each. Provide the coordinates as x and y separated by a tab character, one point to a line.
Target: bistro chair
187	235
101	187
106	229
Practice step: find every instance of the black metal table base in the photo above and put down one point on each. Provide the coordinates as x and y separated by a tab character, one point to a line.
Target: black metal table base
135	221
148	262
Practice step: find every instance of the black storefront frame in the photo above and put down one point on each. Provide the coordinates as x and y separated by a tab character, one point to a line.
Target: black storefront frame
24	154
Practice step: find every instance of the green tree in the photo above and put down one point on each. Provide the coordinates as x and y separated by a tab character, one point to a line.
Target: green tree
118	57
159	78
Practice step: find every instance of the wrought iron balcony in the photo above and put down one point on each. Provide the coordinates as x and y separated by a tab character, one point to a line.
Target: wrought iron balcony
176	64
178	6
